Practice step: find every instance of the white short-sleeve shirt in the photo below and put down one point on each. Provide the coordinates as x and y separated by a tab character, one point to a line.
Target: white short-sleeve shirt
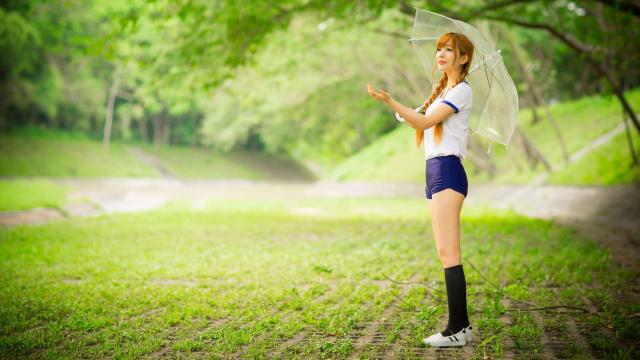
455	127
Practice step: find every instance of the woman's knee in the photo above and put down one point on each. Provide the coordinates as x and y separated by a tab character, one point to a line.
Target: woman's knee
451	262
448	256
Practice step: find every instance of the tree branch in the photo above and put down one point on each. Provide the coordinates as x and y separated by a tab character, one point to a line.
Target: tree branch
583	49
391	33
495	6
408	9
632	7
566	38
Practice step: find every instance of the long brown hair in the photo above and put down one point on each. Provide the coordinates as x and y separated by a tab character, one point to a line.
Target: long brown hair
461	46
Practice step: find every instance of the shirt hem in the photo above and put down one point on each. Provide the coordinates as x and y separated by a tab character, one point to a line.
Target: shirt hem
427	157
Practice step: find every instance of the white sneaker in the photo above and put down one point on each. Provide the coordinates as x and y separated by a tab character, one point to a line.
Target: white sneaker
467	332
457	339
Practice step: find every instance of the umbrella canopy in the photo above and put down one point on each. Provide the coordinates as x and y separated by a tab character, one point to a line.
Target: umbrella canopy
494	112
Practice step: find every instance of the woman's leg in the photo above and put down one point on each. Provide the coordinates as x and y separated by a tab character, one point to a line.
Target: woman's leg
434	224
445	210
447	205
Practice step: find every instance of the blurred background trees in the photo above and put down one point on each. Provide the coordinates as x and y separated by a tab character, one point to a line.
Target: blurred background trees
286	77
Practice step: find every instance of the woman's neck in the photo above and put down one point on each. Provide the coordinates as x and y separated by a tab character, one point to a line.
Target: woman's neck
451	75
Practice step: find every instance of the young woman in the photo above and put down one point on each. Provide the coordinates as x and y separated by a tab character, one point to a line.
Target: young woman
442	122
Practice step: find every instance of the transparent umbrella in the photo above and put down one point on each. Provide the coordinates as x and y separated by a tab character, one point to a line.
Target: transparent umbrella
494	112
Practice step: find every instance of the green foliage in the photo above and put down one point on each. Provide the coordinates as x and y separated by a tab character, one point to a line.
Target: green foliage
596	33
19	42
327	129
286	77
38	132
306	92
46	76
19	63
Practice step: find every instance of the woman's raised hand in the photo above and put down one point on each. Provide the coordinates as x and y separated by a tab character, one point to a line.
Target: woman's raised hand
380	96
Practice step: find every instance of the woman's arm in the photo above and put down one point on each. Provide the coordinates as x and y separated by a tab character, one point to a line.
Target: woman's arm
416	120
399	118
413	126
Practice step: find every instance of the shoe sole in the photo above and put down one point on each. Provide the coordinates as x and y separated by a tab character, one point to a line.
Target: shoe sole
448	345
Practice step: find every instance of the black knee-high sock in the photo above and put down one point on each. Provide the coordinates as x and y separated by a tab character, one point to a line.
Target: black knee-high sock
457	299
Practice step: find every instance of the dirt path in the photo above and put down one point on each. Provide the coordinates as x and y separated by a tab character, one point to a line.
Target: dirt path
152	161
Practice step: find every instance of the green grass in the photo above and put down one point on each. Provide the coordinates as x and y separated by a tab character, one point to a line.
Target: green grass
54	153
55	157
189	162
30	193
395	157
580	122
244	276
39	132
597	167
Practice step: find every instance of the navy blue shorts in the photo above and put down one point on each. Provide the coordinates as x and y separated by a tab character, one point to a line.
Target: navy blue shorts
445	172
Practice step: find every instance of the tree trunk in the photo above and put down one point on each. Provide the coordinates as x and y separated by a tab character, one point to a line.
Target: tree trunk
157	129
518	58
556	128
533	90
533	155
194	135
412	81
480	158
629	140
3	106
515	160
166	128
142	128
113	93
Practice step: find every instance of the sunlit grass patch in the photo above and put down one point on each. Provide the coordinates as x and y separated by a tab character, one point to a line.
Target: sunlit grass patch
20	194
61	157
249	278
610	164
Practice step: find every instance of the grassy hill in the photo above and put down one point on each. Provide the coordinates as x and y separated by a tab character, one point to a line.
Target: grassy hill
35	152
57	154
32	158
201	163
394	157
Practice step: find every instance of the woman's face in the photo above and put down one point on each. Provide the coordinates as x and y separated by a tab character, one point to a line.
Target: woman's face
445	58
